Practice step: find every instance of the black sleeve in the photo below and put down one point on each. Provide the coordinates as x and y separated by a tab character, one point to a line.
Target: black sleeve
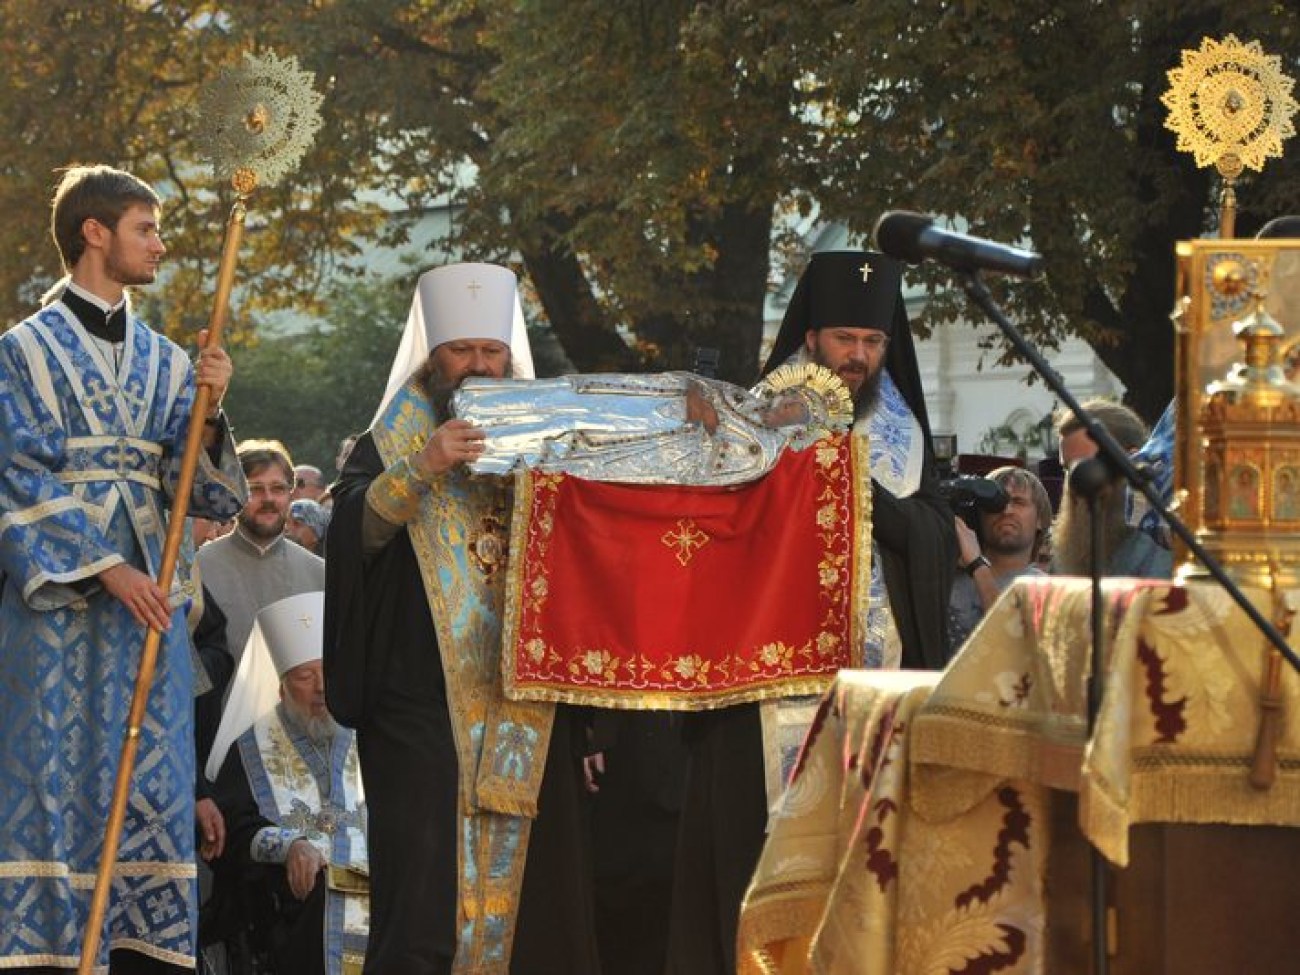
346	640
380	640
234	797
210	644
918	551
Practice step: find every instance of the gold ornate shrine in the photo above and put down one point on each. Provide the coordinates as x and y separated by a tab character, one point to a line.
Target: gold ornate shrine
1237	457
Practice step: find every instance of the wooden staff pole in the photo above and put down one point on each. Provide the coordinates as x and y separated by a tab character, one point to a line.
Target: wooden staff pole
1263	765
171	552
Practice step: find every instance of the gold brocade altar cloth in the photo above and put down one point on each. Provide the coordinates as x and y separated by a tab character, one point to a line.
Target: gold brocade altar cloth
1178	722
914	835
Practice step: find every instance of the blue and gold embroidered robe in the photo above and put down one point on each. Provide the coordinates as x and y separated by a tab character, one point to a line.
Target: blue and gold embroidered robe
89	456
307	791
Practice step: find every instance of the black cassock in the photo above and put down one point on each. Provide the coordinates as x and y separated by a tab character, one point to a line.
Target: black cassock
724	817
256	896
383	676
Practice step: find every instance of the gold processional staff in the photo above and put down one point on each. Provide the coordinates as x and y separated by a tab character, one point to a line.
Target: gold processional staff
1230	105
257	121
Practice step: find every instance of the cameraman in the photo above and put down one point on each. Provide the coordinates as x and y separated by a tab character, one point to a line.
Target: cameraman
1003	545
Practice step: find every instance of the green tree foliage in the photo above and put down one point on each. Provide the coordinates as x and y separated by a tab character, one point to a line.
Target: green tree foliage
628	159
311	390
635	155
1043	120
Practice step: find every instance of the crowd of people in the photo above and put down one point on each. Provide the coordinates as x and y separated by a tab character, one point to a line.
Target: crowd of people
364	793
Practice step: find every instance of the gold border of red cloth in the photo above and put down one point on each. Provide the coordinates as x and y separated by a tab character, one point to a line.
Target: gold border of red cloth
690	598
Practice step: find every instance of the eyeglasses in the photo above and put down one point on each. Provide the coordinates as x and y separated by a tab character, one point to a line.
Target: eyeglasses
274	489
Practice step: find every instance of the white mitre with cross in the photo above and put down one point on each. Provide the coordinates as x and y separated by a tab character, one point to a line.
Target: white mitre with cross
461	301
285	634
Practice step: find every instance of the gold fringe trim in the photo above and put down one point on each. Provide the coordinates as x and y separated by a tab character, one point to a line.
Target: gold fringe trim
178	959
514	595
779	921
861	579
18	869
638	700
153	951
985	744
1185	789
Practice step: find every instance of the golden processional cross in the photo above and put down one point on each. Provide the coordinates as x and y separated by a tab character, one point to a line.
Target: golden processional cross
1230	105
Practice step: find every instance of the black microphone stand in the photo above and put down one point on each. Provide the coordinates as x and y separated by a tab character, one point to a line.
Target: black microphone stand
1092	478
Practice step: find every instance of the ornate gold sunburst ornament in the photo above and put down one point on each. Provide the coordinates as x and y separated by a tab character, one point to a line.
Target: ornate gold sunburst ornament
825	392
1231	107
258	120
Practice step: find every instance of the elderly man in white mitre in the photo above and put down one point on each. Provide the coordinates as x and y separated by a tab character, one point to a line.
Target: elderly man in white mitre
289	784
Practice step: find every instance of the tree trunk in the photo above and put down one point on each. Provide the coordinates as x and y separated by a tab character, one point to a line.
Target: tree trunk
576	318
721	307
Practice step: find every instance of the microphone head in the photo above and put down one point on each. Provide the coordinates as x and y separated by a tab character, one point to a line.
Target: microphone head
898	234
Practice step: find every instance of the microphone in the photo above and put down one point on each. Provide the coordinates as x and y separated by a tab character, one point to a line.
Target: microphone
913	237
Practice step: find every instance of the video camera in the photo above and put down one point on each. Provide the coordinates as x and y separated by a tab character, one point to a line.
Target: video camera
969	496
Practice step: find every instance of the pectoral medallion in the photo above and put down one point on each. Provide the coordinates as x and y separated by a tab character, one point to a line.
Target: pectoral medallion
489	546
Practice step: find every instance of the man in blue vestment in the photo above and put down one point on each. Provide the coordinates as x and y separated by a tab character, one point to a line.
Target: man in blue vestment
94	408
475	820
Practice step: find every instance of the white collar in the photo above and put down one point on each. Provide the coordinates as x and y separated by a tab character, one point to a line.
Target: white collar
95	299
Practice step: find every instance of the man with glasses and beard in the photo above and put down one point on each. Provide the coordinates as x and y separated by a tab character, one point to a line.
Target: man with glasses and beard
256	564
477	842
289	786
846	313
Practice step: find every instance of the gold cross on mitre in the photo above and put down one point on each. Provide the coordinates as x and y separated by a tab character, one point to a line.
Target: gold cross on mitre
474	288
686	539
306	620
866	272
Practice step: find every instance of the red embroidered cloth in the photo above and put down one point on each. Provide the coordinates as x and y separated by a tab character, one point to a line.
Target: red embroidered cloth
688	598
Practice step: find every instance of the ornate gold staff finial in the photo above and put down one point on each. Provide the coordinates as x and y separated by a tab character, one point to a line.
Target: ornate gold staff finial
1231	107
259	119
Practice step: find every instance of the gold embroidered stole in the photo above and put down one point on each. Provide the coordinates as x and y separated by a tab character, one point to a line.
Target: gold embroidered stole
459	536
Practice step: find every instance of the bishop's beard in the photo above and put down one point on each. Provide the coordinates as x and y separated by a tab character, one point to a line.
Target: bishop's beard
321	729
868	394
1071	531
